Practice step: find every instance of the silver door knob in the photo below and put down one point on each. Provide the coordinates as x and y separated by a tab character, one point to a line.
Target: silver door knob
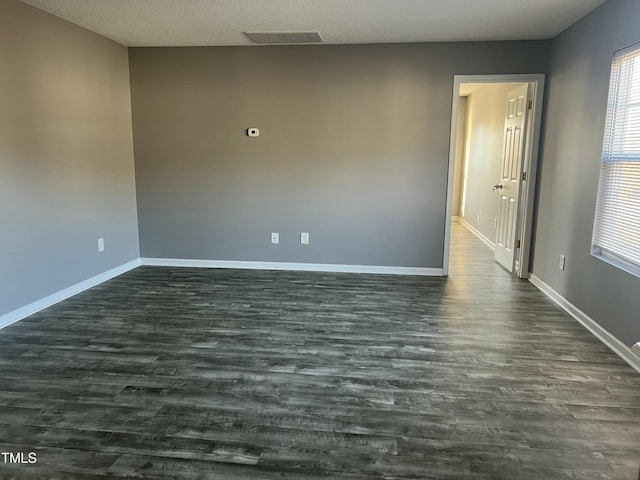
497	187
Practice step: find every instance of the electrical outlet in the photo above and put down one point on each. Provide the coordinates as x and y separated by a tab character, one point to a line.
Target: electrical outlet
275	237
101	245
562	262
495	223
304	238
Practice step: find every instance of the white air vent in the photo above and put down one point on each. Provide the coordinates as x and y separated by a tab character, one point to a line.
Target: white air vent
283	37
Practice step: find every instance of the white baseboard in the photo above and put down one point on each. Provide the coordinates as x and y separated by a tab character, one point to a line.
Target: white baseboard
308	267
622	350
477	233
455	218
23	312
27	310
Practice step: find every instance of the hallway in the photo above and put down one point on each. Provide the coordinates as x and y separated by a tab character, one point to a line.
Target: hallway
238	374
472	258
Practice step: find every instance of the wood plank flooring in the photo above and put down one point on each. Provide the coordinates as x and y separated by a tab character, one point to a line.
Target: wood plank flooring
228	374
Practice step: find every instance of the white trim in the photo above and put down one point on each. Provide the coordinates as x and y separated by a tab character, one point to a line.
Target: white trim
616	261
455	218
23	312
308	267
624	51
27	310
528	190
622	350
527	216
477	233
450	176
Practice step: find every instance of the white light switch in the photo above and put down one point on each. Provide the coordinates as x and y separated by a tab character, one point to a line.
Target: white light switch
101	245
562	262
253	132
304	238
275	237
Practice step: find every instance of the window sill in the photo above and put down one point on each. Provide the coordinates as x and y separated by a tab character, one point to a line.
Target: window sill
616	261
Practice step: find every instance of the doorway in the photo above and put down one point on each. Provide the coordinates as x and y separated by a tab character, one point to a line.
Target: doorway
493	154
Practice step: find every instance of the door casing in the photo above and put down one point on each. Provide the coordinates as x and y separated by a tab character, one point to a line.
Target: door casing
529	165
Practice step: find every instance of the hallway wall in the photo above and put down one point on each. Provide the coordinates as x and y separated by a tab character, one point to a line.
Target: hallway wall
461	137
485	115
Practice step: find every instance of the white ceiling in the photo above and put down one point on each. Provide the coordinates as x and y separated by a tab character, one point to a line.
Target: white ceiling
467	89
221	22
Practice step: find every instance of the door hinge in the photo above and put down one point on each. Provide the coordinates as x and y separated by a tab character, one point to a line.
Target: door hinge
530	105
523	176
517	244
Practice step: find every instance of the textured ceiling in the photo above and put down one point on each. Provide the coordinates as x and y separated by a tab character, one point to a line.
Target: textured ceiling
221	22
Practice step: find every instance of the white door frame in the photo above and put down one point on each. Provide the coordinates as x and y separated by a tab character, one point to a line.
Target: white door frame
530	163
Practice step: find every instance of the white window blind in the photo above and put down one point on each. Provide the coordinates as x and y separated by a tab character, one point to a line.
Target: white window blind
616	233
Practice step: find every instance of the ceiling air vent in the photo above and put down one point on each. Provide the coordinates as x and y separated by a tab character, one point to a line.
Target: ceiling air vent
264	38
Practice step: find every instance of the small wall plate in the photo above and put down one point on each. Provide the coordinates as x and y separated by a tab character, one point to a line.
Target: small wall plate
253	132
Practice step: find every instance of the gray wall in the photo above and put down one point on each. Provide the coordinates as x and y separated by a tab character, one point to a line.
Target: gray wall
574	130
353	148
484	137
66	155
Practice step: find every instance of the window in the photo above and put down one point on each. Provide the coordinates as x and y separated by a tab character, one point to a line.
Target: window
616	233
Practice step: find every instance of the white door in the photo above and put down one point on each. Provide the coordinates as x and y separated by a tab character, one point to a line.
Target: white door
509	185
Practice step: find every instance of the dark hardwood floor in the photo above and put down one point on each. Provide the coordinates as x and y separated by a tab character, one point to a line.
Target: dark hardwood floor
228	374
